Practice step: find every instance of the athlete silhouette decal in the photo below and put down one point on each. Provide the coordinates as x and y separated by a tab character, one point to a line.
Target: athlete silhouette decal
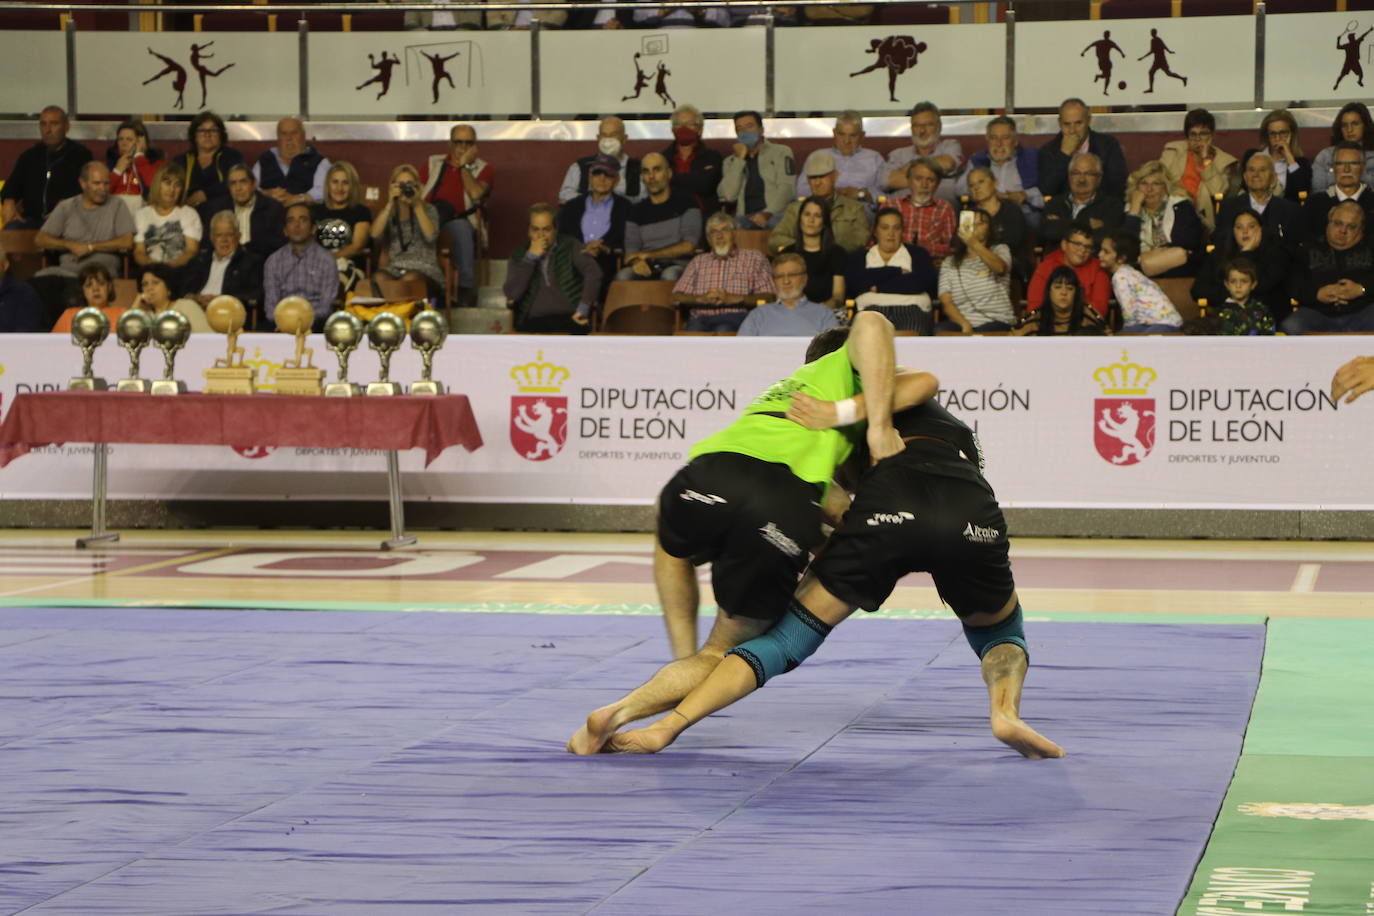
439	65
383	66
1157	50
1104	47
898	53
1351	47
178	73
660	79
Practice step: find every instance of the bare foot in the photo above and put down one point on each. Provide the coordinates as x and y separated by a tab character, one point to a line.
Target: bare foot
1016	734
649	740
592	737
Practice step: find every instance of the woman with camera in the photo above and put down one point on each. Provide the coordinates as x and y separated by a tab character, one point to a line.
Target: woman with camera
410	227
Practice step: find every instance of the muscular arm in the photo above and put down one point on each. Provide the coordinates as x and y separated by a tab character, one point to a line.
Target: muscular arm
871	352
910	388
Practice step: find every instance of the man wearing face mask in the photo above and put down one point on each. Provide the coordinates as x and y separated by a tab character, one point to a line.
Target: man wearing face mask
610	141
758	177
696	167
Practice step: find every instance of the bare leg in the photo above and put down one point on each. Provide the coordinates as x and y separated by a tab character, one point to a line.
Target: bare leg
669	684
678	593
730	681
1004	671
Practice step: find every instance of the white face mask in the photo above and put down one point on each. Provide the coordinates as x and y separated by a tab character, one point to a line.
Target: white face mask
610	146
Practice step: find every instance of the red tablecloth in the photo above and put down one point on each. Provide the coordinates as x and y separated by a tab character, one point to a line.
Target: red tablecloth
389	423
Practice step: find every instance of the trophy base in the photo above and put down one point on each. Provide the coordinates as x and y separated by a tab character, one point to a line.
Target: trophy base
300	381
229	380
383	388
426	386
133	384
342	390
168	386
87	383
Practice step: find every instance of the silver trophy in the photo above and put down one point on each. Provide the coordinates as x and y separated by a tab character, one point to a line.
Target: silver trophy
342	334
134	329
171	330
385	333
427	332
90	327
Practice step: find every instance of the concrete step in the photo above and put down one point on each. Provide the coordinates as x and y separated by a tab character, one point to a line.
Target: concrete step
496	271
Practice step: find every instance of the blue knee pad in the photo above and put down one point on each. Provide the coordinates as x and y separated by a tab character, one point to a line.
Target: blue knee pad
1009	630
791	642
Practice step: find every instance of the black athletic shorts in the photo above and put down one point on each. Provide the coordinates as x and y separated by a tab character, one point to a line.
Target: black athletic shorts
755	522
924	510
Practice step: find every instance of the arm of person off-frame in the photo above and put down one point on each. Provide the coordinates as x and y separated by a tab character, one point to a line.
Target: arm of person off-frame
1353	379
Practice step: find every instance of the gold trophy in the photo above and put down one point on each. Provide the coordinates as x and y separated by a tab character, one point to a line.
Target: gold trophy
427	332
133	329
226	315
342	334
295	316
171	330
384	334
90	327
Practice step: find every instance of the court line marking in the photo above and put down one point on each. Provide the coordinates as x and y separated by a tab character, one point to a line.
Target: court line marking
1305	581
122	572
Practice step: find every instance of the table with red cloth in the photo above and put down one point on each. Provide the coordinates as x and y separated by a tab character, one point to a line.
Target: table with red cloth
388	424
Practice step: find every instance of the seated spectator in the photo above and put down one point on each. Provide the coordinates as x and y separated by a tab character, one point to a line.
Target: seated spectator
206	164
159	292
132	164
458	185
1066	310
1278	134
896	279
1282	218
792	314
1075	252
664	16
758	15
1014	167
825	261
551	282
89	228
610	141
1335	285
409	227
943	155
1085	204
928	221
292	172
860	175
166	231
1077	136
1352	125
466	18
97	291
21	311
1008	221
343	223
848	218
598	218
1244	313
301	268
721	285
1247	238
975	289
1145	309
847	13
758	177
1197	166
663	230
44	175
1347	164
260	218
696	167
1165	221
224	267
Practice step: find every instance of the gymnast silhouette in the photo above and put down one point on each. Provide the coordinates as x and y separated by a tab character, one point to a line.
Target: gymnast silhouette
198	55
178	77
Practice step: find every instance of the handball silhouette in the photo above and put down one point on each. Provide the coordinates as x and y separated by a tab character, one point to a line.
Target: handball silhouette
1121	85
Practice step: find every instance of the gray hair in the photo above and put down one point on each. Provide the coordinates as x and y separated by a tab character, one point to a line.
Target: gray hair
224	216
717	218
1088	157
926	161
850	116
1001	119
921	107
689	109
788	258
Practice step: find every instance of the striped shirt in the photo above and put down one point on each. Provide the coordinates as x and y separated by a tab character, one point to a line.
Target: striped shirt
980	295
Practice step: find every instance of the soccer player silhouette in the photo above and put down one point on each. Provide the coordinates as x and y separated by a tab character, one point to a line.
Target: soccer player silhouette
440	71
383	68
1158	48
1351	47
198	55
178	77
1104	47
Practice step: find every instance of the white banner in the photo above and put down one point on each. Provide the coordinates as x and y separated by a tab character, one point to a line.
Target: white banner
890	68
1067	423
234	73
33	70
651	72
1198	60
1318	56
391	73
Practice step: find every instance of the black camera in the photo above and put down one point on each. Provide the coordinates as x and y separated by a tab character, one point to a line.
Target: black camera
409	188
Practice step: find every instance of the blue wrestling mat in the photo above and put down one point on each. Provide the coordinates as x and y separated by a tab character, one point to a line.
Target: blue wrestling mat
163	761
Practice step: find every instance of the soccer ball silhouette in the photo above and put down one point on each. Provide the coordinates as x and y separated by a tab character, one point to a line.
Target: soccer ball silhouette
1121	85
